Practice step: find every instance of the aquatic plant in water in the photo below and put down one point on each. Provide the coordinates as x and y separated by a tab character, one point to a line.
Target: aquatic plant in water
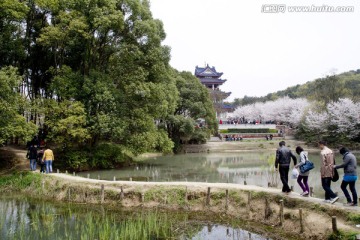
22	220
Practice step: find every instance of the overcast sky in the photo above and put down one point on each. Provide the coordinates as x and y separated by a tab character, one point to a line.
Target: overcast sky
260	52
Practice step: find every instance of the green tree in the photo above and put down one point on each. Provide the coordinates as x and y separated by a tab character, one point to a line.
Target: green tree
327	90
194	103
66	123
12	124
95	73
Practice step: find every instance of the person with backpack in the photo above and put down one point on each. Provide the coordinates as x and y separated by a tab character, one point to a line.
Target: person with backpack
40	160
32	156
303	177
327	172
350	176
282	164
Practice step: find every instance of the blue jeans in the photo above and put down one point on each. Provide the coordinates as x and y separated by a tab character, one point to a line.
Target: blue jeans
48	164
32	164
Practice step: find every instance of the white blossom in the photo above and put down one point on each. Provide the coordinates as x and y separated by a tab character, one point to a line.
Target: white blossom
317	121
345	115
283	110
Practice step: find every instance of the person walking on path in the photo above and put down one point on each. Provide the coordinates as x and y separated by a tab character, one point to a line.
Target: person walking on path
48	157
327	172
41	161
282	164
32	156
303	177
350	176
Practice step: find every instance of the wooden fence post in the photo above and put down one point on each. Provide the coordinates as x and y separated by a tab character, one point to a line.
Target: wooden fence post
281	212
130	179
66	172
88	175
74	174
102	193
69	194
267	209
245	182
142	197
121	193
292	188
98	177
57	171
226	199
249	198
186	194
311	191
43	185
114	179
301	220
208	197
334	225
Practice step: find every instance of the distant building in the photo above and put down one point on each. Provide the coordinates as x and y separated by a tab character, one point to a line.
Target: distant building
209	77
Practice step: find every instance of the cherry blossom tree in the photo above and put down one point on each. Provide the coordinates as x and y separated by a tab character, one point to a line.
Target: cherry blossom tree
283	110
317	122
339	120
344	117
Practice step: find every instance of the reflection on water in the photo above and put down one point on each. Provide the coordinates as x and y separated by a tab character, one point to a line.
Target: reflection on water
224	233
23	219
256	168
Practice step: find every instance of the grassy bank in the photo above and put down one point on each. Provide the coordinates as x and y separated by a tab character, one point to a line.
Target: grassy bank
253	214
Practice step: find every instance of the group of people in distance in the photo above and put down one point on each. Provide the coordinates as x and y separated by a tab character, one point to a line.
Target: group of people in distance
43	158
327	171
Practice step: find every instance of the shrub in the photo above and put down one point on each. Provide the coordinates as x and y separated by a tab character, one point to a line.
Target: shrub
103	156
75	159
199	136
109	155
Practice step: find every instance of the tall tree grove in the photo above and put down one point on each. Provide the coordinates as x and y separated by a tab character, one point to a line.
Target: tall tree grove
90	73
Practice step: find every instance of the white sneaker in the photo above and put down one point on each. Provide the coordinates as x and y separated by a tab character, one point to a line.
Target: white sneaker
333	200
304	193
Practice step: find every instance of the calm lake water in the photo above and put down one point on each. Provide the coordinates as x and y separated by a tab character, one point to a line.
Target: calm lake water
25	219
256	168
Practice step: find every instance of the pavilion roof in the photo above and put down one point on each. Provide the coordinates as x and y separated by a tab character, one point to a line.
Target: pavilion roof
207	72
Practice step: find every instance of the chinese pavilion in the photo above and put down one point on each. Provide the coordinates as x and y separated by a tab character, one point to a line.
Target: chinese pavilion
209	77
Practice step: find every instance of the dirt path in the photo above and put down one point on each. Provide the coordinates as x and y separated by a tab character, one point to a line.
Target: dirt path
317	214
201	186
22	164
20	161
85	190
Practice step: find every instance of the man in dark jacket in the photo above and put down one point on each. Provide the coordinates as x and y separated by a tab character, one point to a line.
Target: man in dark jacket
350	175
283	159
32	156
